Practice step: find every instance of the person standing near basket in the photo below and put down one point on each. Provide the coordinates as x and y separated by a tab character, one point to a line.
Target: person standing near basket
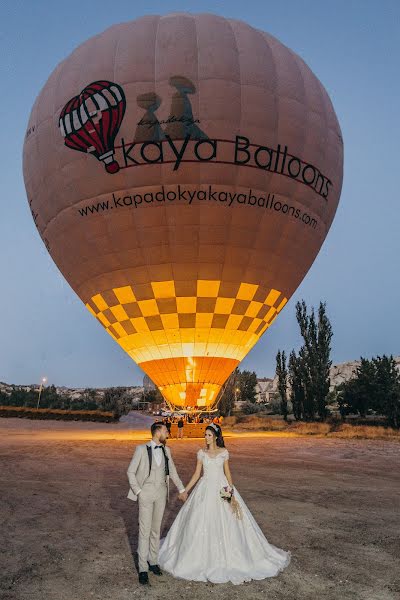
181	424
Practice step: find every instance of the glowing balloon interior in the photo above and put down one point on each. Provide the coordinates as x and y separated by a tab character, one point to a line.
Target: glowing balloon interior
183	172
188	345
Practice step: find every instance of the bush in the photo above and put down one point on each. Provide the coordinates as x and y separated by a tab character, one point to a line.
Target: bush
58	414
250	408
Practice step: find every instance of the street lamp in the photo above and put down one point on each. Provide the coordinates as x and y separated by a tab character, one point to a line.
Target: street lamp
44	379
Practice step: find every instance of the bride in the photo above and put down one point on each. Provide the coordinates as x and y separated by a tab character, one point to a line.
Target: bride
214	536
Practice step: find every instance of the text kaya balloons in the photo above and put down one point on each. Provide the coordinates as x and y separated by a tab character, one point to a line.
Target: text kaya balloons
183	172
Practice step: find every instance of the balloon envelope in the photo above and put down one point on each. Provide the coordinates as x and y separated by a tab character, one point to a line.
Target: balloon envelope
183	172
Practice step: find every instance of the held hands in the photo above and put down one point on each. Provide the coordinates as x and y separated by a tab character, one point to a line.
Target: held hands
183	496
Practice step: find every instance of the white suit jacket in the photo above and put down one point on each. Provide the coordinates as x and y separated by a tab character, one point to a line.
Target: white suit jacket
139	470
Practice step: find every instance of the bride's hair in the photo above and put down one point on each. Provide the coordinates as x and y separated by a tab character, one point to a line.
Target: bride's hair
217	431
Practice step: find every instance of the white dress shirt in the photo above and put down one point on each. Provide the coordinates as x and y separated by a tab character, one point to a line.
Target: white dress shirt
157	453
158	456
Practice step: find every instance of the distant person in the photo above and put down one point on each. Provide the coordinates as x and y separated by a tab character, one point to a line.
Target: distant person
168	425
181	424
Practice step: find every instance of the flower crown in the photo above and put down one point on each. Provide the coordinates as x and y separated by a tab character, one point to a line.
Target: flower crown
214	426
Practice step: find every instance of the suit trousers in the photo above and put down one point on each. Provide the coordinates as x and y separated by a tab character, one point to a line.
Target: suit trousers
152	500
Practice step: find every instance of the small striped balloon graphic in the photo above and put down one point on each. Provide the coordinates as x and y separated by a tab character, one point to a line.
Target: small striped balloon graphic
183	171
90	122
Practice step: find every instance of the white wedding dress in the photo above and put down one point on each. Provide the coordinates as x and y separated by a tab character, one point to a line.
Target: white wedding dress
207	542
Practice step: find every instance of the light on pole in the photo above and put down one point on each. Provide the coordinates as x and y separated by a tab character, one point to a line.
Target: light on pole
44	379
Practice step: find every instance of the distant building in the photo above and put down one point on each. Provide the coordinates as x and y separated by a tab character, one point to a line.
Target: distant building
264	390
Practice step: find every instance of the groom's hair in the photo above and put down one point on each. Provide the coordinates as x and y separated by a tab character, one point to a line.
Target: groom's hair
155	426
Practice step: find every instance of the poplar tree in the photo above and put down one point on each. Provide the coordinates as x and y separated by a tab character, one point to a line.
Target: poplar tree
296	385
387	399
247	385
281	371
228	394
314	357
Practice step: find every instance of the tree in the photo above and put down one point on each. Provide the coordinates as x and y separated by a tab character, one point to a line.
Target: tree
275	403
375	386
282	374
49	398
342	400
323	352
307	357
89	399
315	360
387	392
296	386
154	396
19	397
228	394
251	408
116	400
362	392
247	386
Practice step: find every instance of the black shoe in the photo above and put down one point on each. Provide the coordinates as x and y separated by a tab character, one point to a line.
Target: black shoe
143	578
155	569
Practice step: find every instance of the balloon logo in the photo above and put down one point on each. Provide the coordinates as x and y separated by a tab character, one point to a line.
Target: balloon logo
227	164
90	122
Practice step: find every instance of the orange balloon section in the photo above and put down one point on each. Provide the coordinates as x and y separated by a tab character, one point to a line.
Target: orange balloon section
187	344
183	172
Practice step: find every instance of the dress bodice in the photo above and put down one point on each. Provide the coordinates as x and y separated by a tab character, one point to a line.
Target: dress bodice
213	465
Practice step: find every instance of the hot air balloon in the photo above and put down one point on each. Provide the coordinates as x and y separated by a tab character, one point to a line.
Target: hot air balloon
223	171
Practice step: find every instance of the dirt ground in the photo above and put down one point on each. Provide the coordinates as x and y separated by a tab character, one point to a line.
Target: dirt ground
69	532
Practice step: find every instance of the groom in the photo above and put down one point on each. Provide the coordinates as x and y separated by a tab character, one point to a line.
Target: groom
148	474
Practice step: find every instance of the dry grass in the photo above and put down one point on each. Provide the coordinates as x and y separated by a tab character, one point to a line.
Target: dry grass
312	428
254	423
365	431
341	430
229	421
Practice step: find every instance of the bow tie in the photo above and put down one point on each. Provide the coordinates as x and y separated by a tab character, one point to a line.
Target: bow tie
157	447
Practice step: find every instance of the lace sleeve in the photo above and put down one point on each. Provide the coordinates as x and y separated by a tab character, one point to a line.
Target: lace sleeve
200	454
226	455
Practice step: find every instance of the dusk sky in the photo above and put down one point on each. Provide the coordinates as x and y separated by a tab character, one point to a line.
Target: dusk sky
353	47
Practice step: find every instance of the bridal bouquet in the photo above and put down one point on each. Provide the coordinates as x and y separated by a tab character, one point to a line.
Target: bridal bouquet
226	493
